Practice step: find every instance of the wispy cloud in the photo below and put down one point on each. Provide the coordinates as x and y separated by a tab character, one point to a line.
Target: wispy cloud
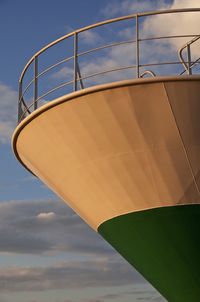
90	37
70	275
139	292
64	73
119	8
175	24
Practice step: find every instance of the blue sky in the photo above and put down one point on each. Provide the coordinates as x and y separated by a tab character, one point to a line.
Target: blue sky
42	254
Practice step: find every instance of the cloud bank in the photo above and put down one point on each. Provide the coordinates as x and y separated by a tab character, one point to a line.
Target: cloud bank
42	227
70	275
46	226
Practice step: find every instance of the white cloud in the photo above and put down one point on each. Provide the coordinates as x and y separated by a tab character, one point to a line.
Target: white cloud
119	8
163	50
175	24
150	51
8	112
46	216
64	73
89	37
116	57
185	4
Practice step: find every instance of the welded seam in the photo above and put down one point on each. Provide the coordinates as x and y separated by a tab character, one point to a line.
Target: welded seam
182	141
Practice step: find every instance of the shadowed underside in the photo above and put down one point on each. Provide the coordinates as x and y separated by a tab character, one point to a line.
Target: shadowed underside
126	158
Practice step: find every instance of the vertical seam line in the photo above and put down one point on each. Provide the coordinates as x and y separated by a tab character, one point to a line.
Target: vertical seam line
183	145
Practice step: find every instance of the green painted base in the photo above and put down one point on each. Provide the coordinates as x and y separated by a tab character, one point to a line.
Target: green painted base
163	244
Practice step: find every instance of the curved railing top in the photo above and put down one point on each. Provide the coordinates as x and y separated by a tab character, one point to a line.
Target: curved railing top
186	61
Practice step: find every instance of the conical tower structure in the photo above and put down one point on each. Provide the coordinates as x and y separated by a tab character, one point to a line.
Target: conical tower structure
125	154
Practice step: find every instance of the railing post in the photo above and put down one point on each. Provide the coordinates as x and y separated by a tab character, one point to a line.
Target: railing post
137	47
189	69
20	111
75	60
35	82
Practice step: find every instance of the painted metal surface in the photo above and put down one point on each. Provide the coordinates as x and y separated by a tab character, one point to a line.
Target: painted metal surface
118	150
163	244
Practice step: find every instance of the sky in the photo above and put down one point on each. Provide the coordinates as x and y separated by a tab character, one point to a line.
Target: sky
47	253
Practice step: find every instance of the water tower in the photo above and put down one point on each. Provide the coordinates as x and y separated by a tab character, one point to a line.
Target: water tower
109	120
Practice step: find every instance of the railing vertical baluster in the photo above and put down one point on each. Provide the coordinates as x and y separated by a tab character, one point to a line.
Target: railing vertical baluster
20	111
75	60
137	47
35	82
189	59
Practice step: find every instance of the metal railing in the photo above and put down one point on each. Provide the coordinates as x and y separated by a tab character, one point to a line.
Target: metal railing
79	80
188	64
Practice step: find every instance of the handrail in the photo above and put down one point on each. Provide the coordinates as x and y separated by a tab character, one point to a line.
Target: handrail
76	57
187	46
197	61
91	76
151	13
146	72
